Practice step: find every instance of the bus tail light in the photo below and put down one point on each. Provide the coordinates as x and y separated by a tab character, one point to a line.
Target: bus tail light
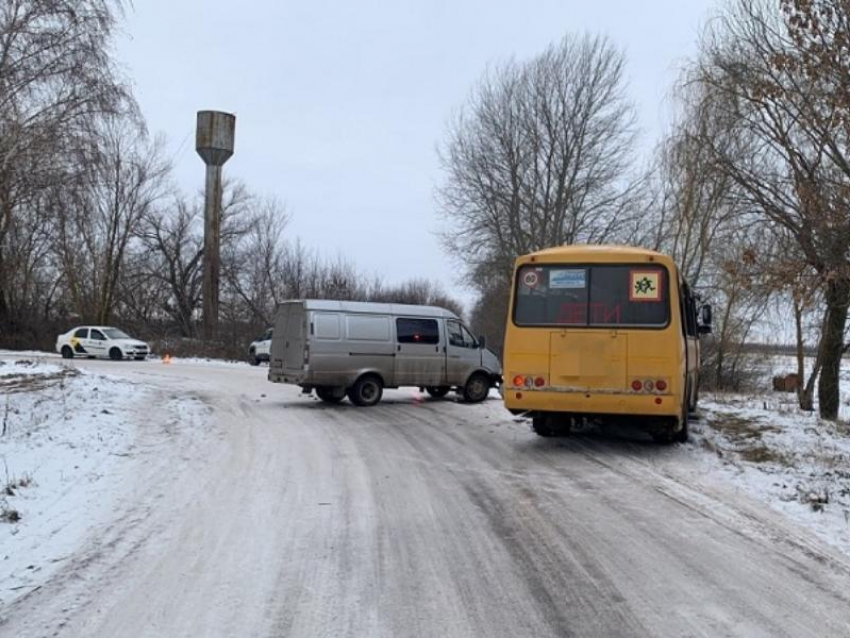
649	385
518	381
637	385
539	382
661	385
529	381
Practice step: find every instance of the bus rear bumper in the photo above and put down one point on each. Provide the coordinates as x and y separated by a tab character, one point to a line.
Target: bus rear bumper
520	401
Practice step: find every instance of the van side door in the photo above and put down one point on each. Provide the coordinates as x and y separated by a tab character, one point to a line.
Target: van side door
462	353
419	359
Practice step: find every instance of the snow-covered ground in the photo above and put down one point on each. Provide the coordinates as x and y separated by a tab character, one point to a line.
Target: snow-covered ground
768	448
199	499
68	436
68	442
794	463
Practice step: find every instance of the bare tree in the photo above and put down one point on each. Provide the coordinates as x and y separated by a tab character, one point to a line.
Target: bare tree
783	149
114	194
538	157
56	75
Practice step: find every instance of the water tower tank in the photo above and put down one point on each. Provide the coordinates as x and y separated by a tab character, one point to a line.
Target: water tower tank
214	136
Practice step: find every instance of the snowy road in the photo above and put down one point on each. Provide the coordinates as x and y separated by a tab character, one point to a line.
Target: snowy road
287	517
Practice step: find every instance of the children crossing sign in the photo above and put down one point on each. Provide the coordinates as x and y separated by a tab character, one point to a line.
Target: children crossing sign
645	285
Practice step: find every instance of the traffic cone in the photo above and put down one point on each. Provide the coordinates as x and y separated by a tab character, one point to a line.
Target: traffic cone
166	359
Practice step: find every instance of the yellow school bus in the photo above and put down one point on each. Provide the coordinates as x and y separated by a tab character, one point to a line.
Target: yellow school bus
603	332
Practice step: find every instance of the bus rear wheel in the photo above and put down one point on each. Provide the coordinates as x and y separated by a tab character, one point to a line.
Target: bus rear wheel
549	425
682	435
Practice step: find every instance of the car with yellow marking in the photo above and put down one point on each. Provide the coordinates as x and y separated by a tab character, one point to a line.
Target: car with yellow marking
100	342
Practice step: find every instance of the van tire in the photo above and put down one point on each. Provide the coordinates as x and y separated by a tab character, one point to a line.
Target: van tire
329	394
67	352
437	391
252	359
477	388
115	354
366	391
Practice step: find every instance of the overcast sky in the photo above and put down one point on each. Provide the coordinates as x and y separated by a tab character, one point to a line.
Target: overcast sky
340	106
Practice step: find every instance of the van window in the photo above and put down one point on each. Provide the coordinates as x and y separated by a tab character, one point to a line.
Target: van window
82	333
368	328
417	331
460	336
326	326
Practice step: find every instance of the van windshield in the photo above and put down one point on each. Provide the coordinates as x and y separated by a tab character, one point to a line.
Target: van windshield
592	295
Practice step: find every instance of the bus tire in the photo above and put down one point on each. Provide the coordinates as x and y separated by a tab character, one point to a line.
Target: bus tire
477	388
437	391
682	435
366	391
548	425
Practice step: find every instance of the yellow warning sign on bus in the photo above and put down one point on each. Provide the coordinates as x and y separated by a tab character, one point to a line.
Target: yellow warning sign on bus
645	285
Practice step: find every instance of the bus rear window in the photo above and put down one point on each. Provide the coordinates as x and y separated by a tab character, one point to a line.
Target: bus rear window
592	296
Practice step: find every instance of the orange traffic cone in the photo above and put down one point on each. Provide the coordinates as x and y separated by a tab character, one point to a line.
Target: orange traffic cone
167	358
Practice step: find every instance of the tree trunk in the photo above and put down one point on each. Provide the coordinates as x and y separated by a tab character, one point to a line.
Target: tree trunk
805	391
832	346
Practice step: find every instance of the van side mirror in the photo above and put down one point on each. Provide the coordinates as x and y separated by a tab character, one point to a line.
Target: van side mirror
482	342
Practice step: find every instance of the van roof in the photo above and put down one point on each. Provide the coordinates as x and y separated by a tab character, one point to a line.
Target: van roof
365	307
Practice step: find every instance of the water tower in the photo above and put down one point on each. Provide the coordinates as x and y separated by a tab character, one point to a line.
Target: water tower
214	143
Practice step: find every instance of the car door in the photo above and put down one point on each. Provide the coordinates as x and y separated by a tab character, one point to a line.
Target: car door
462	353
419	359
97	343
79	341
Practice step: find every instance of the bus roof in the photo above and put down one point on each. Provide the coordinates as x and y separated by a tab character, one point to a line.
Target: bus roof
595	253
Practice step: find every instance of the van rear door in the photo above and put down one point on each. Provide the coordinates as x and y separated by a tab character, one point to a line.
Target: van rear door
289	339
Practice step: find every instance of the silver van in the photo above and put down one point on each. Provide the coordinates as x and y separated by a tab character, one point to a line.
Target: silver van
340	348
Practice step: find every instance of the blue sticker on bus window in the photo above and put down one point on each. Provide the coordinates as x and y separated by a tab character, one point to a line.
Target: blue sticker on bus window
568	278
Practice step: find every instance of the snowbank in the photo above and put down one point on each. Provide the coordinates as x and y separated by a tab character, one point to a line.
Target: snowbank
68	439
789	459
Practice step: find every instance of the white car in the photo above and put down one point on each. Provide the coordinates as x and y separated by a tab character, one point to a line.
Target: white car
100	341
260	348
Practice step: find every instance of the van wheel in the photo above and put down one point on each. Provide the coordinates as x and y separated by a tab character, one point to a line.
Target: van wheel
67	353
252	359
437	391
330	394
115	354
366	391
477	388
